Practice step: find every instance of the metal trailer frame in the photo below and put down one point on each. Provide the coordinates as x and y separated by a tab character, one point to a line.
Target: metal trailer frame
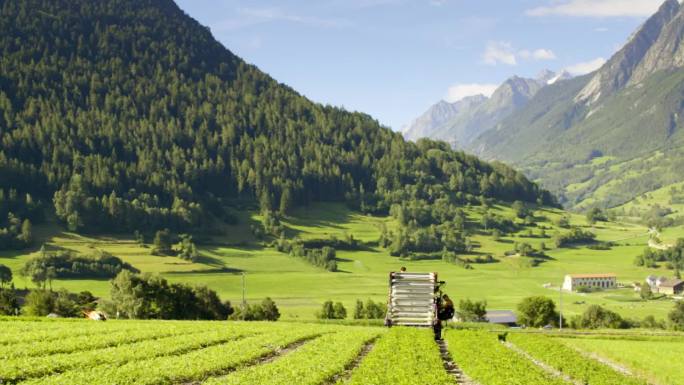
412	300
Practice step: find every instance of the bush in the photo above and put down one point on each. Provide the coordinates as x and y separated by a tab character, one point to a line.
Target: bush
66	264
65	304
472	311
5	276
595	215
597	317
359	312
574	236
646	292
266	311
9	303
453	258
162	243
332	311
187	249
676	316
369	310
39	303
324	257
537	312
649	322
152	297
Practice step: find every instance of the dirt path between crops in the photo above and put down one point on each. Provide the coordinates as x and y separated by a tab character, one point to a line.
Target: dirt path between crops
612	364
264	359
451	367
547	368
346	374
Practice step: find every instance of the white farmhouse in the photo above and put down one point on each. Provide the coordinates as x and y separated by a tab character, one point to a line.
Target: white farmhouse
573	282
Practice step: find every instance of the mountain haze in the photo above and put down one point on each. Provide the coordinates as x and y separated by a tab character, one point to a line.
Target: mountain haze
459	123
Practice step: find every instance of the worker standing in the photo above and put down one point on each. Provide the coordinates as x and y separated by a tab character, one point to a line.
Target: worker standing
446	310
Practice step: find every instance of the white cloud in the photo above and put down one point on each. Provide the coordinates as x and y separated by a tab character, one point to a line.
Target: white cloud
537	54
460	91
543	54
586	67
597	8
499	52
502	52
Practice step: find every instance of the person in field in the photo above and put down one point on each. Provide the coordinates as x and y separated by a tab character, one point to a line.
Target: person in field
445	312
446	309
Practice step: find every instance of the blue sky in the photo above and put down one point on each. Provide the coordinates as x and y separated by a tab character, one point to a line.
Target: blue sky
395	58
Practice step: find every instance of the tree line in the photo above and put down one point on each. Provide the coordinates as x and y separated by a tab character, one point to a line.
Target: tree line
132	296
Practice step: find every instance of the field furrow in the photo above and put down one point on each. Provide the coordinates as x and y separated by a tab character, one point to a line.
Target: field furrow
657	361
403	356
22	368
81	343
313	363
484	359
569	362
193	366
24	335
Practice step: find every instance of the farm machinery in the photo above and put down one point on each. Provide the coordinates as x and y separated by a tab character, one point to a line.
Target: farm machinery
416	299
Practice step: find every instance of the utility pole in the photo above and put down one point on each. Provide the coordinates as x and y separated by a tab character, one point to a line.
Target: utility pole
560	310
244	301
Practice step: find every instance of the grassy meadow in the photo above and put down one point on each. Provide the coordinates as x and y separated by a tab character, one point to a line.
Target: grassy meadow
299	288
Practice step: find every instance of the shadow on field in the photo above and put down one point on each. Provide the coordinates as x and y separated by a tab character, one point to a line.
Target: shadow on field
229	270
313	218
209	260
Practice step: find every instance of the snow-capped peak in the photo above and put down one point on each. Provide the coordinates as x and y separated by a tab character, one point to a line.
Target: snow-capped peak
563	75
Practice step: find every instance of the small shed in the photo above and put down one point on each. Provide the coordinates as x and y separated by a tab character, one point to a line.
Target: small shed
672	287
502	317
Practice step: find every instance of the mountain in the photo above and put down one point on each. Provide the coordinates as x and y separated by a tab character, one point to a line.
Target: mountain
440	114
461	122
125	116
563	75
604	138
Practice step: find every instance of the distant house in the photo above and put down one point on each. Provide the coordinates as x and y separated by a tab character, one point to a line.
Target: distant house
671	287
502	317
652	281
573	282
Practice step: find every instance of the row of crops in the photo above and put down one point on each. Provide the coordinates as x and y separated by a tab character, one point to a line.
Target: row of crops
531	358
176	352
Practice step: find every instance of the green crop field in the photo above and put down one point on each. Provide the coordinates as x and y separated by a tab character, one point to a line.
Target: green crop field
39	351
299	288
641	357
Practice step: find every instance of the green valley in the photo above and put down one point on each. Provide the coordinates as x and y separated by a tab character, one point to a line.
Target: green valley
300	289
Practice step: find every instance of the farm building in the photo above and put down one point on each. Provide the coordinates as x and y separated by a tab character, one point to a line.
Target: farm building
502	317
671	287
573	282
654	281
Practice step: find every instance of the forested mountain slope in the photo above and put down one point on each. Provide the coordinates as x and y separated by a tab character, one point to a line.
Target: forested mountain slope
604	138
127	115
